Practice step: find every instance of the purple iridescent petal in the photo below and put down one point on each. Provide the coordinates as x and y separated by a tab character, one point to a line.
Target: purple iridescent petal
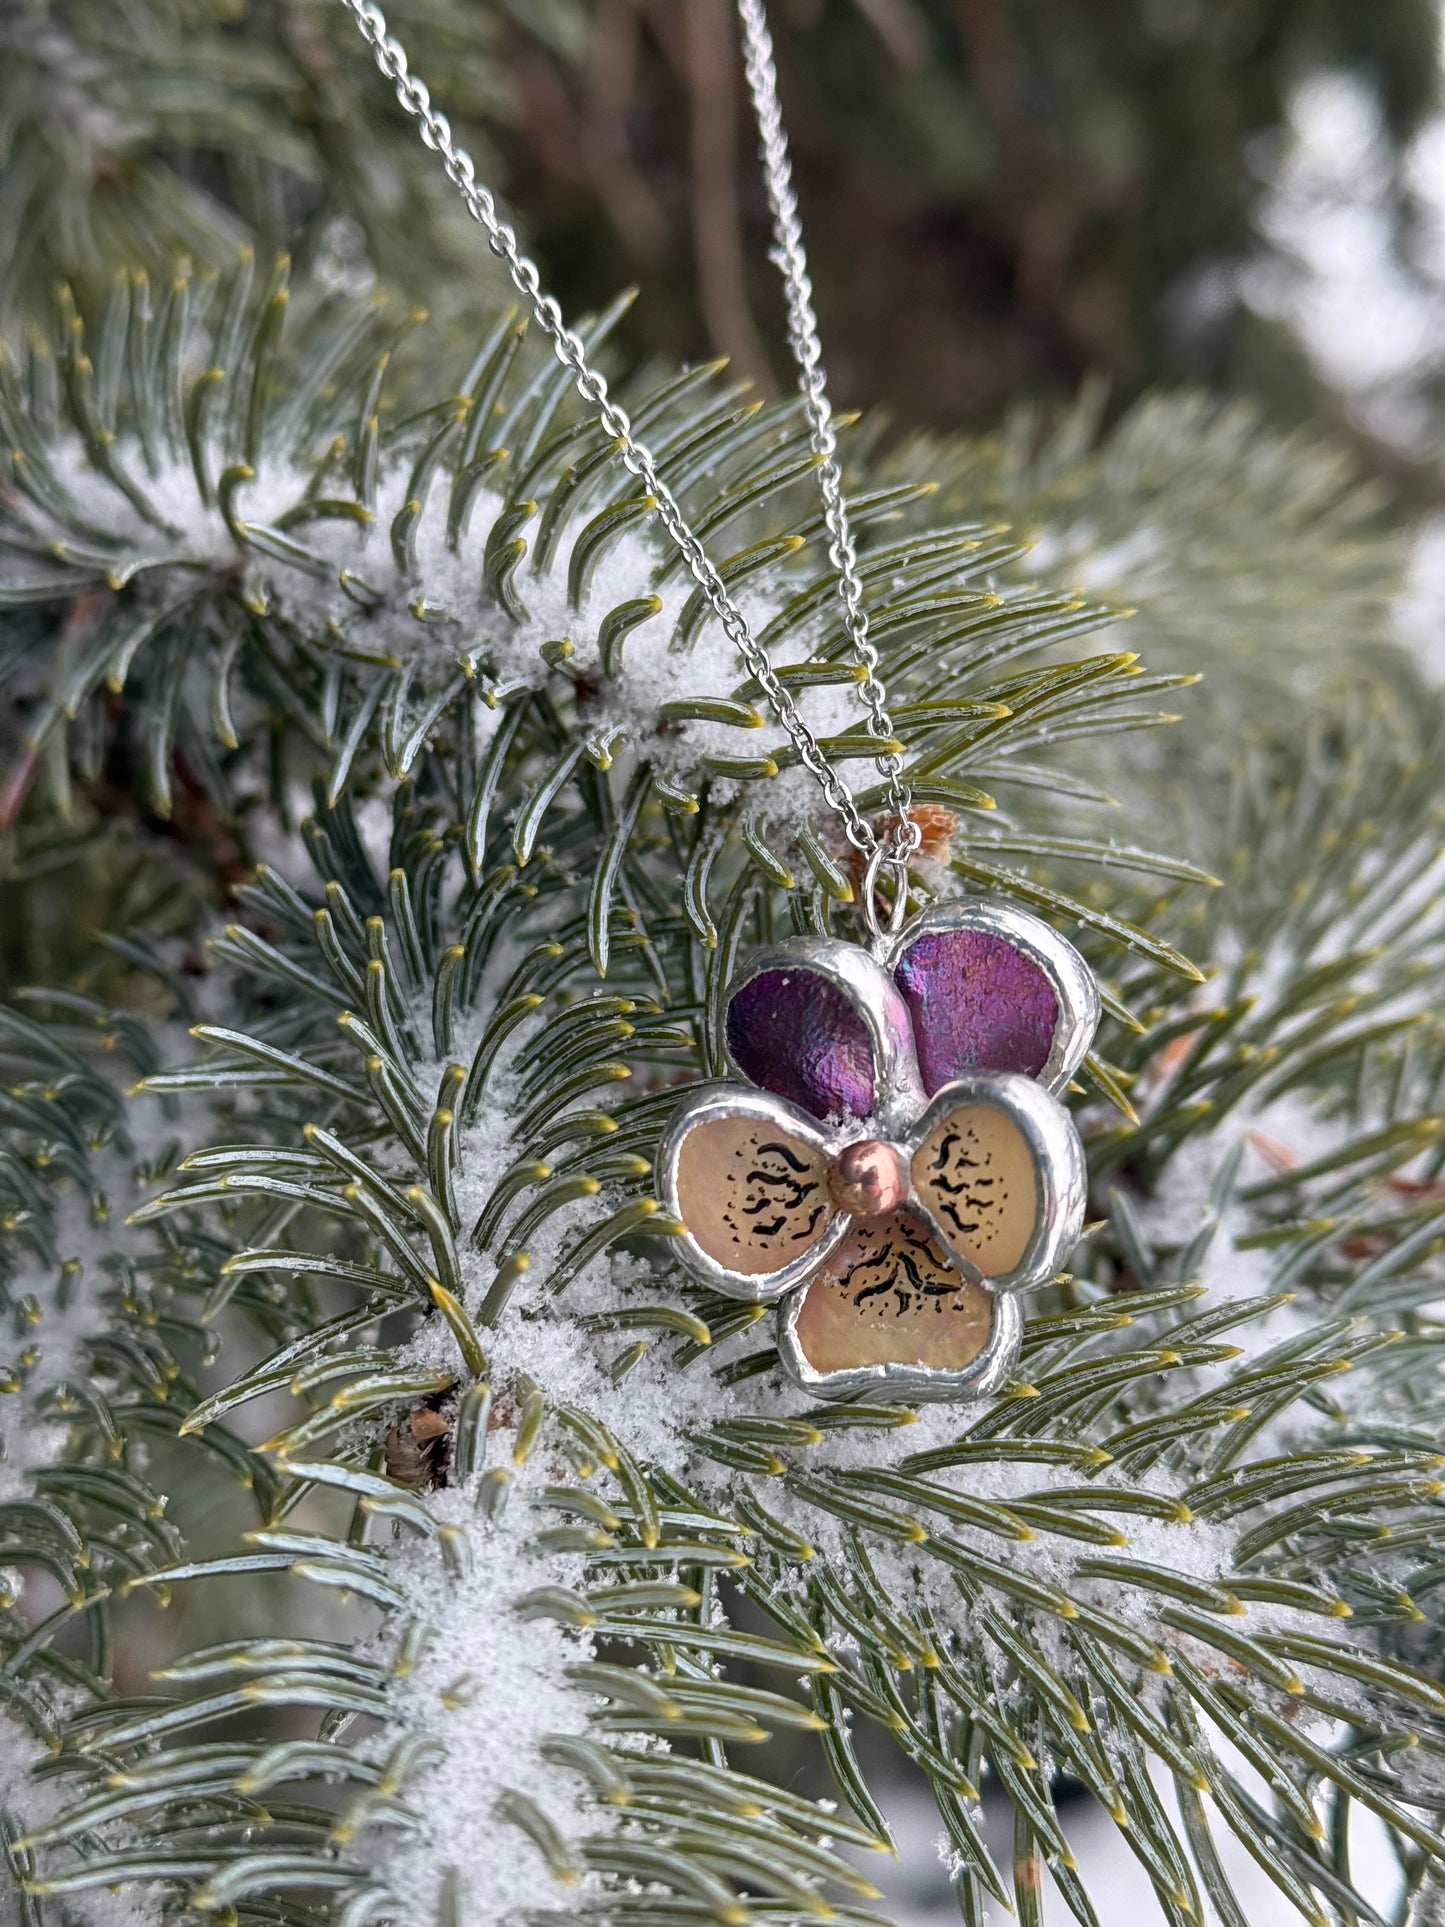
796	1034
978	1004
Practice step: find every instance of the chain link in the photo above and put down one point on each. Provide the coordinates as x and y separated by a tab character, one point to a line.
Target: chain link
502	240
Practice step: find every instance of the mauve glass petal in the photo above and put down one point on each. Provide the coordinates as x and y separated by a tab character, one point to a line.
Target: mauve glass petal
796	1034
978	1004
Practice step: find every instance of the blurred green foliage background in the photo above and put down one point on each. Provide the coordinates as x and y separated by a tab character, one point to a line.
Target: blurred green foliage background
1001	194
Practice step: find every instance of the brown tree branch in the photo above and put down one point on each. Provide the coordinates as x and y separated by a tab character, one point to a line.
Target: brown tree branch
621	185
717	230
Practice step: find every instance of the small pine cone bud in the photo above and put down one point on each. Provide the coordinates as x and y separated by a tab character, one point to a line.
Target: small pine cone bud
935	825
418	1448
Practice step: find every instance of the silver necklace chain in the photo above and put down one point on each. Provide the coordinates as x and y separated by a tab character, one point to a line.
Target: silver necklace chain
761	67
590	384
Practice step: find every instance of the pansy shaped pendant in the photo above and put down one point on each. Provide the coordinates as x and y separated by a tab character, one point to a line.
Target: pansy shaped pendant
900	1168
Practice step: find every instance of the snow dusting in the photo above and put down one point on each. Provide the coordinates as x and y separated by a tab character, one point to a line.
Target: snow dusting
491	1687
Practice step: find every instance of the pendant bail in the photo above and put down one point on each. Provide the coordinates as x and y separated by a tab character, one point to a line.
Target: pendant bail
885	855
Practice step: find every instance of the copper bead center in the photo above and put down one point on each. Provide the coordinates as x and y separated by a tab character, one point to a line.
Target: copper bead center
868	1179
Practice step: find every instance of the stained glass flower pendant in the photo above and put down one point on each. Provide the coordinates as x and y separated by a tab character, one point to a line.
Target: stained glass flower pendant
896	1167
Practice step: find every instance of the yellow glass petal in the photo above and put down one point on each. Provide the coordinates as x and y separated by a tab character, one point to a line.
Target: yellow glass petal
890	1296
976	1173
753	1196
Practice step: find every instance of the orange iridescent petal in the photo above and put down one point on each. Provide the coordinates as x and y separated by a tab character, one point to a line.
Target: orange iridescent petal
753	1196
890	1296
976	1173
